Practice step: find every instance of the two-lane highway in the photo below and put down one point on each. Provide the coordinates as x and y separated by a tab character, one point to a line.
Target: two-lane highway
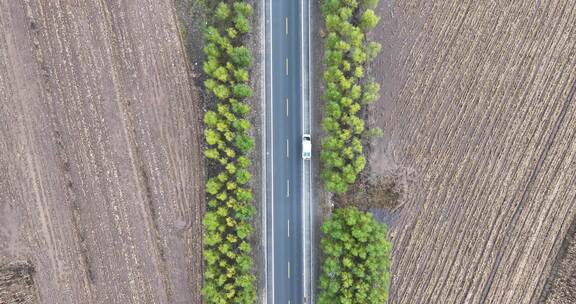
284	161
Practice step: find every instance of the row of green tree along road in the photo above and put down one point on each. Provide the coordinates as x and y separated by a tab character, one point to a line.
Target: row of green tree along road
355	251
228	273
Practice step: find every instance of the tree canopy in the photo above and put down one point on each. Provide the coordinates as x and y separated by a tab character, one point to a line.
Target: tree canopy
347	52
228	276
356	259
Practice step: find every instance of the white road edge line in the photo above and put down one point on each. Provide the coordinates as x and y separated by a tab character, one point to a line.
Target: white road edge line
311	194
307	279
271	143
264	146
309	71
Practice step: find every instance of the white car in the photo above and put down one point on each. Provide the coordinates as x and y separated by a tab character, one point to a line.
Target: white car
306	147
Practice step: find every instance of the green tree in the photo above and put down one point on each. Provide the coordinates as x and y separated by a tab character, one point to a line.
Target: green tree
369	4
333	109
244	195
356	37
371	92
211	153
372	49
243	162
211	119
330	6
210	66
222	11
228	265
232	32
221	74
241	108
243	230
359	72
212	137
368	20
333	22
211	50
358	56
334	182
241	75
241	56
242	91
357	124
331	40
332	92
345	13
221	91
356	251
242	125
242	176
330	124
243	8
211	34
242	24
359	164
334	57
245	211
355	92
213	186
244	142
231	168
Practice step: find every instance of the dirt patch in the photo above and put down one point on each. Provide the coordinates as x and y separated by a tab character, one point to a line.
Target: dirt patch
478	99
193	16
561	285
382	190
100	149
16	283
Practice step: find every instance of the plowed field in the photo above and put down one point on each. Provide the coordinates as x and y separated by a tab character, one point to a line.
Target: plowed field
479	102
101	186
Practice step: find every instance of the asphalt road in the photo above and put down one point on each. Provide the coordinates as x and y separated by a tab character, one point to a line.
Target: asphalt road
285	171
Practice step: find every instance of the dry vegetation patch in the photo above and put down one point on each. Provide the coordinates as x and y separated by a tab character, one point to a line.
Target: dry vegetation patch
16	283
561	285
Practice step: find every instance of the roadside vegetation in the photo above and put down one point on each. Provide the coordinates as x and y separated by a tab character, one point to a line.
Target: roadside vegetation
347	90
356	259
355	249
228	276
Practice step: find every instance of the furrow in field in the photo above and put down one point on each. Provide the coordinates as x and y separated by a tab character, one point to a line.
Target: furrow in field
480	111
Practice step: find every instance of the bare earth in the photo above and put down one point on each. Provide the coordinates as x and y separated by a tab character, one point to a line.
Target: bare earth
101	179
479	110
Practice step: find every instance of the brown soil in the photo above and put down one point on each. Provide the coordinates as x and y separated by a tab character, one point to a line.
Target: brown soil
99	152
478	102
